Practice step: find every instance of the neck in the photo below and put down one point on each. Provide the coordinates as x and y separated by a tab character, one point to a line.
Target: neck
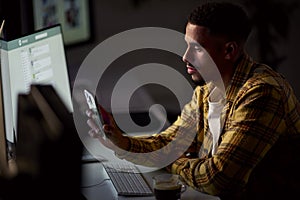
228	75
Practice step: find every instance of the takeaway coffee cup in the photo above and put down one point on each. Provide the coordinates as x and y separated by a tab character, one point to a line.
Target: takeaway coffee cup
168	186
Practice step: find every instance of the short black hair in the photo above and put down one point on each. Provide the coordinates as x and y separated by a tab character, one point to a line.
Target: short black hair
222	18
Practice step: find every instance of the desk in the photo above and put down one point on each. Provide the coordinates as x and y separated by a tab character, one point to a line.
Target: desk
97	185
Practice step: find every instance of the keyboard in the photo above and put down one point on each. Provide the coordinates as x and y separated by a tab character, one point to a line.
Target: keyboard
127	179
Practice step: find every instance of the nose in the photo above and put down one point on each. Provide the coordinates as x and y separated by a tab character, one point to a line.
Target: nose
187	57
184	57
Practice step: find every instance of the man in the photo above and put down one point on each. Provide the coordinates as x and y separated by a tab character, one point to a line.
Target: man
256	115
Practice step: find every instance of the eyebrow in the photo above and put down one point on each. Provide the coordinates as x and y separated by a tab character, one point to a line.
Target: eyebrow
194	43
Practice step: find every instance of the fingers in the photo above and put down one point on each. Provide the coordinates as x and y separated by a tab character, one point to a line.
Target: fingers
94	133
109	130
89	113
92	124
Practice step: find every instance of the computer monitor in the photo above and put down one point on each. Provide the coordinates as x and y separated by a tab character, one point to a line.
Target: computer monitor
3	150
36	58
7	164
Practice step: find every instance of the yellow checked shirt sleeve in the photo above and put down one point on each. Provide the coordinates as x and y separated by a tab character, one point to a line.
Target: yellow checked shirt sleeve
181	134
257	117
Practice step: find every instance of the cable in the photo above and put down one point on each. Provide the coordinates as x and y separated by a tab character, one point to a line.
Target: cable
100	183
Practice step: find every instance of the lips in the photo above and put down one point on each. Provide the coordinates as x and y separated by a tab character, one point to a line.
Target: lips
191	70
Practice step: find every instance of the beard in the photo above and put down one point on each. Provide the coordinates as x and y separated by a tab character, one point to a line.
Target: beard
199	82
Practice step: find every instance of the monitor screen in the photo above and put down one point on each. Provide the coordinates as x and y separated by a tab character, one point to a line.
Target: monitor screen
37	58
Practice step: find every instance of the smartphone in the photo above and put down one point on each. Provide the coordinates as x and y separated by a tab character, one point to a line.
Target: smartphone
100	115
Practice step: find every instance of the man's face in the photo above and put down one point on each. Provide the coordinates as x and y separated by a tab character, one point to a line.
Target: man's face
203	54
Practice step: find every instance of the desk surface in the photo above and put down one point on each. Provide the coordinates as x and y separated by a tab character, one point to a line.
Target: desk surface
96	184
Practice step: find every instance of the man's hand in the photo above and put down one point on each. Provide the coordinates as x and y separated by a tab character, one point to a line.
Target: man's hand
111	130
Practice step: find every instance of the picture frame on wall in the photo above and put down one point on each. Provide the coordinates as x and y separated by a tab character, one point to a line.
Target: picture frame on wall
73	15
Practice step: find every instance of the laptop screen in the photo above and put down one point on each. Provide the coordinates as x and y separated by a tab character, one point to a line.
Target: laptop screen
37	58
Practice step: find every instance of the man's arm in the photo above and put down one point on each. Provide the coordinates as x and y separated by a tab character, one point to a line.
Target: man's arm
165	147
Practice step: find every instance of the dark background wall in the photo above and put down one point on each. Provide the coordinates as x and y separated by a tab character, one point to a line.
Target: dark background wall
109	17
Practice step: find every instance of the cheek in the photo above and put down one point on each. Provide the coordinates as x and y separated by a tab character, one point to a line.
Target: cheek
193	57
207	67
202	59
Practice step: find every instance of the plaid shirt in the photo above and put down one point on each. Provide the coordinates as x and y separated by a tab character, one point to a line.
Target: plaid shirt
260	108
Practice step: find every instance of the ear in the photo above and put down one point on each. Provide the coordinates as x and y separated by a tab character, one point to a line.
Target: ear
231	50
